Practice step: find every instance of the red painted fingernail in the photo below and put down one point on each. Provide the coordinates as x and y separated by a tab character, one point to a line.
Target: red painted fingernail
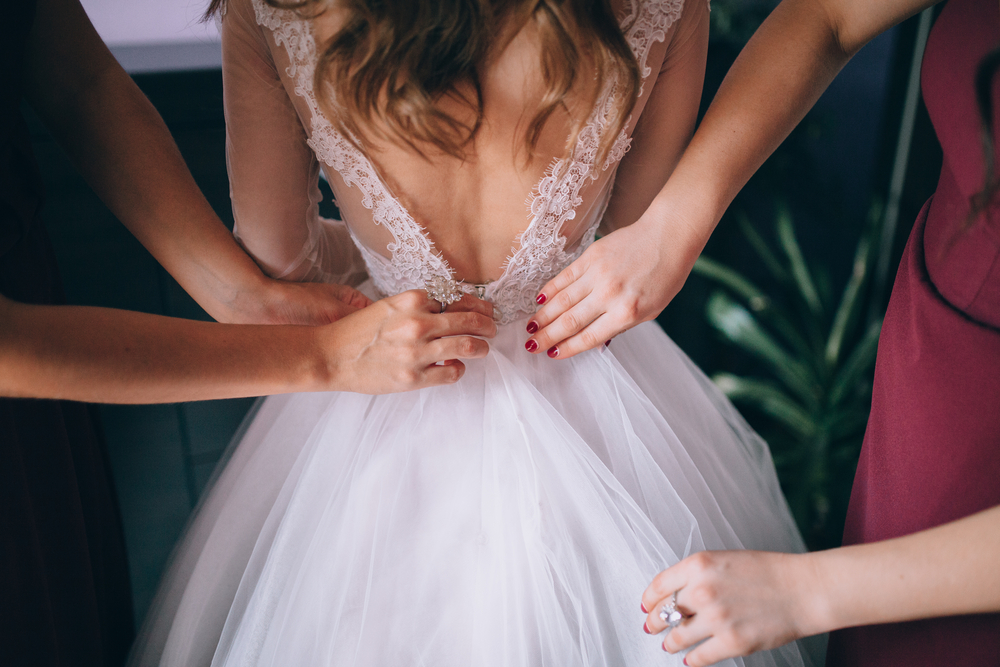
642	605
607	343
532	326
553	352
685	660
531	345
646	628
664	646
540	299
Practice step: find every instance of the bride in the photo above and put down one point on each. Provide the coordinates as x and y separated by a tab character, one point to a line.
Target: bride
514	517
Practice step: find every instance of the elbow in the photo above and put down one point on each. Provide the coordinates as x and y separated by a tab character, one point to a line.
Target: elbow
848	29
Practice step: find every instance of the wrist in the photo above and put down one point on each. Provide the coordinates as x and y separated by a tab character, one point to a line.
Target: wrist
325	368
256	299
815	594
674	232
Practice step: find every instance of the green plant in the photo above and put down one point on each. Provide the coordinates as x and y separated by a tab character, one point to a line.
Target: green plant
818	356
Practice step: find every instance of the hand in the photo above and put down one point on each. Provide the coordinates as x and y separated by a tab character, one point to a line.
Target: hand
403	343
626	278
736	602
282	302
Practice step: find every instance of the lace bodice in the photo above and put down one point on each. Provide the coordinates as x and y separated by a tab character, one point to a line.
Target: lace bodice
542	249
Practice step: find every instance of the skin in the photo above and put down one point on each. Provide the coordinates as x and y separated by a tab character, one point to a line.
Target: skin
114	356
75	85
104	355
475	221
741	602
630	276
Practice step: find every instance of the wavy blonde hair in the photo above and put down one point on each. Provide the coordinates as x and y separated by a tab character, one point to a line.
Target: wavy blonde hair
394	60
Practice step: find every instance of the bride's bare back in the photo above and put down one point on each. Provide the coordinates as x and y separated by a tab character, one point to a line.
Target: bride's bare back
473	210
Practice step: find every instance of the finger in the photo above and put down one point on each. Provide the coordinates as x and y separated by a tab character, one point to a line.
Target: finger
564	279
559	304
663	586
595	334
457	347
434	374
350	296
709	653
471	304
693	630
463	324
567	325
414	300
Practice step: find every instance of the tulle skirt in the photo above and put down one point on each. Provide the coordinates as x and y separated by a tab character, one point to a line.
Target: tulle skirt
512	519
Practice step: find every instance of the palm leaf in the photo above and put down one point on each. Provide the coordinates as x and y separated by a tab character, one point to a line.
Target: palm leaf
850	304
768	399
800	272
760	247
742	329
857	365
756	300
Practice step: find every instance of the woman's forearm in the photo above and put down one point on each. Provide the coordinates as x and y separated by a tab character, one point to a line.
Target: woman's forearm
775	81
114	356
947	570
118	141
740	602
103	355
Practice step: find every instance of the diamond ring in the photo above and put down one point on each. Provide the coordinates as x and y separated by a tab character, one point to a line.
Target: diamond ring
670	614
443	290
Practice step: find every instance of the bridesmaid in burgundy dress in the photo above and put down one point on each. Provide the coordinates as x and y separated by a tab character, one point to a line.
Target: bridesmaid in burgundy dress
64	588
919	582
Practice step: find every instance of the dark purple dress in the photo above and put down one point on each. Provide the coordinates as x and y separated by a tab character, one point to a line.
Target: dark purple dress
64	590
932	450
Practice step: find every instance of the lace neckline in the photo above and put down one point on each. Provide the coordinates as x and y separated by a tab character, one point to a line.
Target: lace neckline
415	261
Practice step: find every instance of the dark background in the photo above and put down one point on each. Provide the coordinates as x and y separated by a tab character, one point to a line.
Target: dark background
162	455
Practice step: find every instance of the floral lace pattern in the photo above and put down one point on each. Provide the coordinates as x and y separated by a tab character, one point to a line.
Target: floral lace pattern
413	262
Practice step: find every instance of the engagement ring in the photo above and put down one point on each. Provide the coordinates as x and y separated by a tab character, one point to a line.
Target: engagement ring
670	614
443	290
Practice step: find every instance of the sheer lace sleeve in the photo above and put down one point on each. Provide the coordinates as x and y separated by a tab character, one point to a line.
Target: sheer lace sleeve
273	174
667	121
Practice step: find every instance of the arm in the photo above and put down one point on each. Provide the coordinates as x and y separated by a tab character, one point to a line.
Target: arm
273	173
115	356
777	78
571	313
120	144
746	601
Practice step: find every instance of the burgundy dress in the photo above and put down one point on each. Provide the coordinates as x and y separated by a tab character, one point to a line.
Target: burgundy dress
932	450
64	590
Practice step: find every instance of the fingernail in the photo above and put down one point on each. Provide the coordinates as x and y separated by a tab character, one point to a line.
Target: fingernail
553	352
607	343
540	299
646	628
664	646
531	345
532	326
642	605
685	660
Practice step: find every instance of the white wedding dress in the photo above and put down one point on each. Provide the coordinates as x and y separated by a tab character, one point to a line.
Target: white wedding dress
512	519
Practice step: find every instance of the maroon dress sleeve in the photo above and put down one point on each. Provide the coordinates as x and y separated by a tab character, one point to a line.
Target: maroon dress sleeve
932	449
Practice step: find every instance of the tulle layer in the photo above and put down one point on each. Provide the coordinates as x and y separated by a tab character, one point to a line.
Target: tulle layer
512	519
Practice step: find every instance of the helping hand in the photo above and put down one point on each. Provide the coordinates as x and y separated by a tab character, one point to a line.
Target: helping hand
404	342
282	302
626	278
736	602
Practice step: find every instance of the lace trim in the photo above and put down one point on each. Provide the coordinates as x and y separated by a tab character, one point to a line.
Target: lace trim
414	262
